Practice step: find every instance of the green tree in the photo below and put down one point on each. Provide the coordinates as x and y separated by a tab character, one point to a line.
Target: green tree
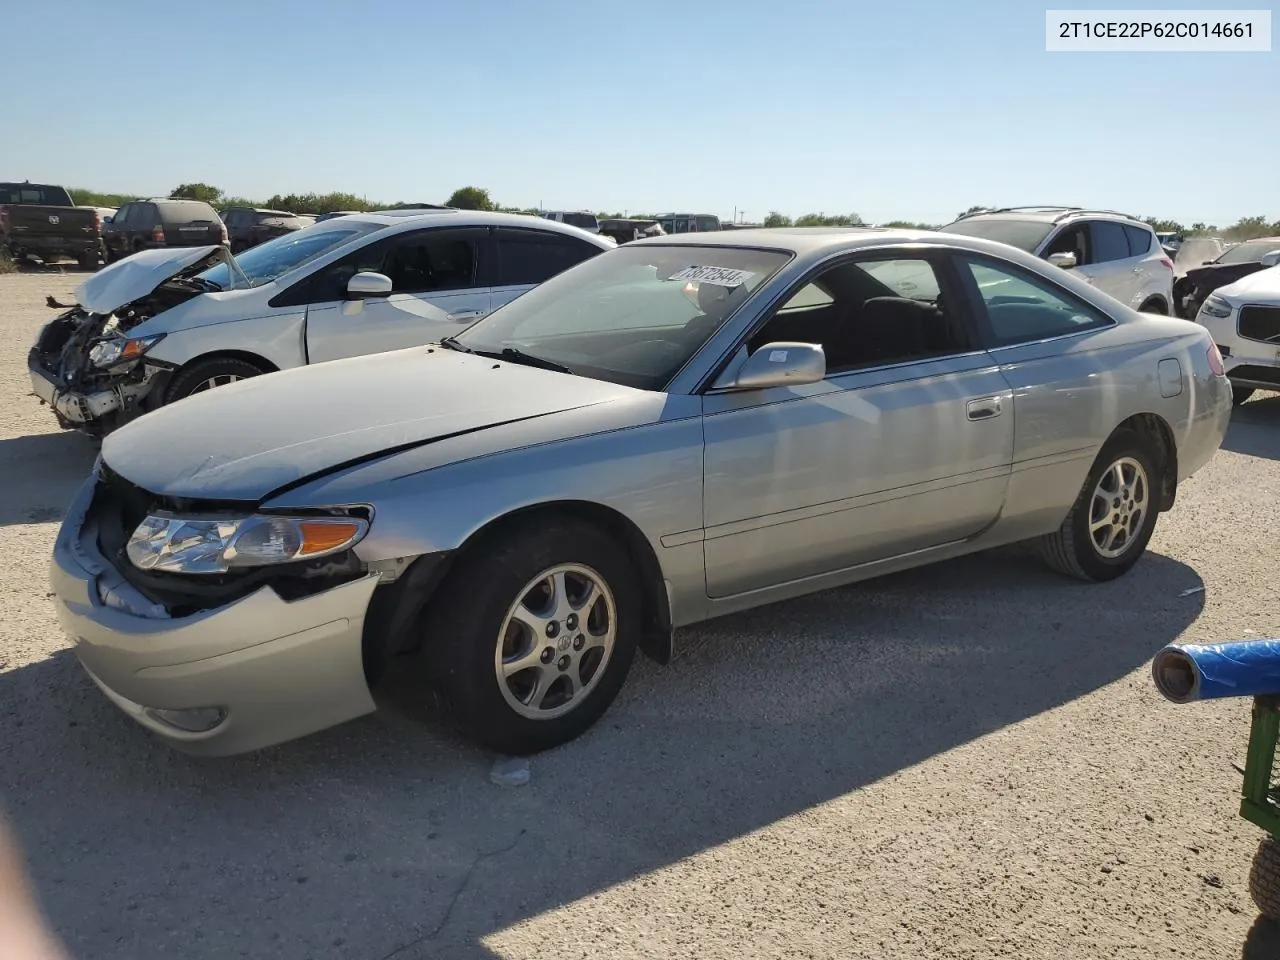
830	220
92	198
197	191
1249	228
776	219
1164	226
971	211
909	225
470	198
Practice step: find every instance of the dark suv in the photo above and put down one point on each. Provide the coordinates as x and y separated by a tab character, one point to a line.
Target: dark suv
249	226
144	224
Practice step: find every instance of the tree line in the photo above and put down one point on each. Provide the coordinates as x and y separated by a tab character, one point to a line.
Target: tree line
477	198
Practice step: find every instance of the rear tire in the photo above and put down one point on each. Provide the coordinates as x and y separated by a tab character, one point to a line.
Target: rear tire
1240	394
483	623
1264	878
207	375
88	260
1109	525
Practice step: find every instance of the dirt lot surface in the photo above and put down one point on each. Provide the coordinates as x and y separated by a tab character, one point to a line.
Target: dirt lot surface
967	761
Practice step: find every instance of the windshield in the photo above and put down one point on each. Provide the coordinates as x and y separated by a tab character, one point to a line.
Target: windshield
1024	234
633	316
265	262
1250	251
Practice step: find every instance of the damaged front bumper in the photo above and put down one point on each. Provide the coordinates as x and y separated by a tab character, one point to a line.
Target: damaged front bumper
117	401
249	673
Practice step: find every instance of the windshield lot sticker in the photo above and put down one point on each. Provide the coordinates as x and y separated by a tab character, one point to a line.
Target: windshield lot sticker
777	356
720	276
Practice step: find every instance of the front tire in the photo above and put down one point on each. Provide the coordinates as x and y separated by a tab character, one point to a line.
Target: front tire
1264	878
532	635
1113	518
207	375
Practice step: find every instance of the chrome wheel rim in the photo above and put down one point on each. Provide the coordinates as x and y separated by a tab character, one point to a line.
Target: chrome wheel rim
1118	508
212	382
555	641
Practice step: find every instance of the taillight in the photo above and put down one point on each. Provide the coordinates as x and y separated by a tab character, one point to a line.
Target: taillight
1167	262
1215	361
223	228
157	234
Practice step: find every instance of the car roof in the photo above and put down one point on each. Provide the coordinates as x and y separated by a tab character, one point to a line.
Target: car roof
1054	214
404	220
815	243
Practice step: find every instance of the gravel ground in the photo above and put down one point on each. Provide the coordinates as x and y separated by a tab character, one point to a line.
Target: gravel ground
967	761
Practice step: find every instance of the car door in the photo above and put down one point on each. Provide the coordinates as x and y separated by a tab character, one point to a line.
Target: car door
905	445
1048	344
441	279
527	257
1113	266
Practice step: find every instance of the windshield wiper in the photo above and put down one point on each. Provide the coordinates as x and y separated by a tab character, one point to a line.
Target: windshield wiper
451	343
519	356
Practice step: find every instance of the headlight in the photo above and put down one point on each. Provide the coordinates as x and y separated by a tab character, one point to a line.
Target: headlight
204	545
1216	307
108	353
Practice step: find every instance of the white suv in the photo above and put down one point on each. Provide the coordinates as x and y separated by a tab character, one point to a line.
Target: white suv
1118	254
1244	319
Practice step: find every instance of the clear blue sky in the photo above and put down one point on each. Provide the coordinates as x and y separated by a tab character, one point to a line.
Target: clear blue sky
905	109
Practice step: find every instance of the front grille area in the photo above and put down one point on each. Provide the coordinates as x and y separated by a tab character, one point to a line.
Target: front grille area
1260	323
119	506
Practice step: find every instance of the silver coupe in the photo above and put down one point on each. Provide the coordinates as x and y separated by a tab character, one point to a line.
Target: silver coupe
673	430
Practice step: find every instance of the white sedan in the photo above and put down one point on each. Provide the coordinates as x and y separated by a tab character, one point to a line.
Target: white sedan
1244	319
162	325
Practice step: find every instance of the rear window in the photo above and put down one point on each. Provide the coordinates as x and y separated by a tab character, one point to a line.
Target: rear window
261	215
586	221
34	193
185	211
1024	234
1250	251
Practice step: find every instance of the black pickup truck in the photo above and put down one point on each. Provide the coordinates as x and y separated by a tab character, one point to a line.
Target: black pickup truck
40	220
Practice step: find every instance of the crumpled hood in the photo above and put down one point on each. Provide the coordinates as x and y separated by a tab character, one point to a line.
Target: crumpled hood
1261	286
248	439
138	275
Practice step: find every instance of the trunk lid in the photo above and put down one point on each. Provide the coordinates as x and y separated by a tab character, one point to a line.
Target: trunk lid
38	220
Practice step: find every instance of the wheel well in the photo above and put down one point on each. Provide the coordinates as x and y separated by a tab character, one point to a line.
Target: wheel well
266	366
1155	300
1155	427
160	394
656	636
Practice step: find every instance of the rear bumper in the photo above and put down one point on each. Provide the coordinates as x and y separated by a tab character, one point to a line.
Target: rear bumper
260	670
67	246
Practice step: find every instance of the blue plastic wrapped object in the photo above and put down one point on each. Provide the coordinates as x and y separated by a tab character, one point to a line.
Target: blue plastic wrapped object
1206	671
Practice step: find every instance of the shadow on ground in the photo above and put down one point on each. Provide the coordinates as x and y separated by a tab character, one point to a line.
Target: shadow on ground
1255	430
1263	941
383	838
42	472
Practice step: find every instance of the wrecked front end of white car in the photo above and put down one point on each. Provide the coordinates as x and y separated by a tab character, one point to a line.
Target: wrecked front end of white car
85	366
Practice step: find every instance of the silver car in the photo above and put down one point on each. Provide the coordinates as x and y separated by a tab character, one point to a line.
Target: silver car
673	430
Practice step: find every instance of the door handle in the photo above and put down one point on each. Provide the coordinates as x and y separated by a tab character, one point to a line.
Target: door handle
984	409
467	315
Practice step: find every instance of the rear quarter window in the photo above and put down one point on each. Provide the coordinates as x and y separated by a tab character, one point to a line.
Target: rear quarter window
1139	241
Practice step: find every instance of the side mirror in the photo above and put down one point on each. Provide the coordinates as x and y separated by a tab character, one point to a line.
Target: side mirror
776	365
106	219
1064	260
1271	258
365	285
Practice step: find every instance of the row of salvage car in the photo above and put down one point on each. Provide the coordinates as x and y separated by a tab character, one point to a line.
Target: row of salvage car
532	453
